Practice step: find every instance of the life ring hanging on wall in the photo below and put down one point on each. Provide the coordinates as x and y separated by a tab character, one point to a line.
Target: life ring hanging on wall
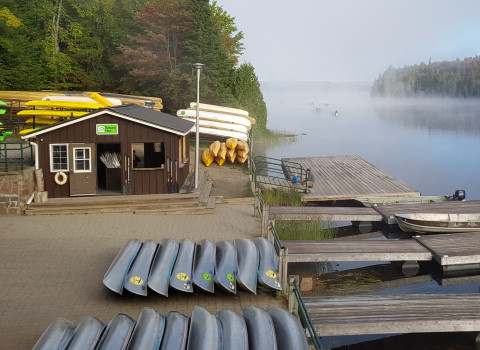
61	178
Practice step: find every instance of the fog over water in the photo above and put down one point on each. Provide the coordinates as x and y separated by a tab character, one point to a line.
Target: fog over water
430	144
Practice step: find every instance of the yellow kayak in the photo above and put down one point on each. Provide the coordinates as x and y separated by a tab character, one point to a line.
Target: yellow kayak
26	131
64	104
38	120
207	157
51	113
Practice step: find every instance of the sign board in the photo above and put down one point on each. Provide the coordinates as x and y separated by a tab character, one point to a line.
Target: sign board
107	129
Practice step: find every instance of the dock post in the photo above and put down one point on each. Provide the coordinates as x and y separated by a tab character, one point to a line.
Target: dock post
292	298
283	267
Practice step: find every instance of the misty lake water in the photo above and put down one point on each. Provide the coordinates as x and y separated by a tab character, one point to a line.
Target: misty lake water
431	144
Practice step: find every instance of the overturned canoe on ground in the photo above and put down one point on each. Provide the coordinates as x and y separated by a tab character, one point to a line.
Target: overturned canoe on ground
226	266
137	277
162	266
148	331
176	331
204	333
204	265
181	278
261	332
268	264
117	334
247	264
56	336
234	330
117	272
288	330
87	334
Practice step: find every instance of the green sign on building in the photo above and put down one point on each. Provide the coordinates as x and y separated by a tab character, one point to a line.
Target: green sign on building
107	129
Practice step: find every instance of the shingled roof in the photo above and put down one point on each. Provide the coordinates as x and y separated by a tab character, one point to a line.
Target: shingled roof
133	112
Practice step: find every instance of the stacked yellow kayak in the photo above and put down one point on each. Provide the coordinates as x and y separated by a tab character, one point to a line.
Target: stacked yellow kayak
231	150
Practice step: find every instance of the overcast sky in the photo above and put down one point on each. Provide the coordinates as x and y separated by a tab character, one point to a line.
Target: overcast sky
352	40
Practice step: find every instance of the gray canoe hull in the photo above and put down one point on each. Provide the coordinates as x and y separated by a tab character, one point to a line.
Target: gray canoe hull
117	334
247	264
56	336
117	272
162	266
204	265
289	332
226	266
87	334
268	264
204	333
137	277
234	330
148	331
181	278
176	332
261	332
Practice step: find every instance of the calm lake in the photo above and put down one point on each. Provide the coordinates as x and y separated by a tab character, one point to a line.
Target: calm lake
431	144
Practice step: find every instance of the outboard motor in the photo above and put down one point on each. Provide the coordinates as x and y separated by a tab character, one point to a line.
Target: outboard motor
459	195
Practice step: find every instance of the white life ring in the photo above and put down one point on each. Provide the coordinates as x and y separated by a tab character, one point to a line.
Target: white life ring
61	178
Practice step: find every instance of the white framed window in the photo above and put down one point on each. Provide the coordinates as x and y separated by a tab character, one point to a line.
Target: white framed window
82	160
58	157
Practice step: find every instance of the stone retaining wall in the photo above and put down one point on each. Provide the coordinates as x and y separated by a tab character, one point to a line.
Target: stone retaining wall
16	188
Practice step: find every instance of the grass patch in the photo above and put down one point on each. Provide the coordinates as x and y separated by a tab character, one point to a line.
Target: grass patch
315	230
286	198
248	190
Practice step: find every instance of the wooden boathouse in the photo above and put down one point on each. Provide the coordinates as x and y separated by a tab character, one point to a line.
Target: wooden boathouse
151	150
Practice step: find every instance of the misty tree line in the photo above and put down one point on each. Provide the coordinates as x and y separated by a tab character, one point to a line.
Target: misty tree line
460	78
142	47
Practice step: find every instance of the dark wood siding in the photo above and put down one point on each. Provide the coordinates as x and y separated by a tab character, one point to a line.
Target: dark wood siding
142	181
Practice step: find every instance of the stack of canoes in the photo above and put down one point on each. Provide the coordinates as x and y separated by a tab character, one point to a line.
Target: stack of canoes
219	122
254	328
187	265
231	150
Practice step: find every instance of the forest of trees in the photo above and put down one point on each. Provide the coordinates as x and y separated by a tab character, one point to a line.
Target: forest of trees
141	47
460	78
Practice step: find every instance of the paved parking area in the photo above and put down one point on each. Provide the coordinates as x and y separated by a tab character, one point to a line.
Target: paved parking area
53	266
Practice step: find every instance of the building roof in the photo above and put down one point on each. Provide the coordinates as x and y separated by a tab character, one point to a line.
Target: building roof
132	112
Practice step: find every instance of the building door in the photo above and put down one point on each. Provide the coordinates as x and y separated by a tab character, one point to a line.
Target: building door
83	169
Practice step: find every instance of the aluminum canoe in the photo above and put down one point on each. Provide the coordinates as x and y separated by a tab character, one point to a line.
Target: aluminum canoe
57	336
288	330
176	331
260	328
247	264
148	331
117	272
117	334
162	266
438	222
204	333
268	264
226	266
181	278
204	265
137	277
234	330
87	334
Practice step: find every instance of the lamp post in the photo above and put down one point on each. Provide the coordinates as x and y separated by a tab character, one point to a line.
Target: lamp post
198	67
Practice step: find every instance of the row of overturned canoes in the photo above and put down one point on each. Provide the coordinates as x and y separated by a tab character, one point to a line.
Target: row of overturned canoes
182	265
254	329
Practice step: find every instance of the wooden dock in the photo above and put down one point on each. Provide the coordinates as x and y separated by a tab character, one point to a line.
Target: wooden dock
414	313
348	177
324	213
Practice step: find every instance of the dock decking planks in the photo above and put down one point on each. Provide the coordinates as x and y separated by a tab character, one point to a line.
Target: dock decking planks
314	251
414	313
324	213
350	176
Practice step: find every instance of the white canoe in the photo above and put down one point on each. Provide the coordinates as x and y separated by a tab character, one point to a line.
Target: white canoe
222	109
217	133
219	125
115	101
218	117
